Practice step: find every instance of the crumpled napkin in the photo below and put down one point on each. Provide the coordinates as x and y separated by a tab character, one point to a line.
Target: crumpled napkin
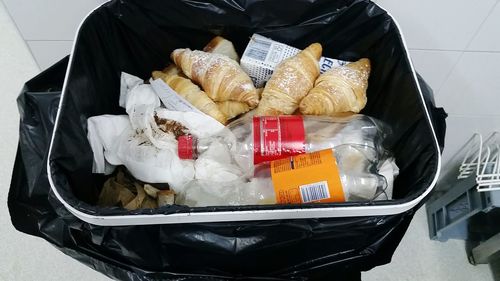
148	152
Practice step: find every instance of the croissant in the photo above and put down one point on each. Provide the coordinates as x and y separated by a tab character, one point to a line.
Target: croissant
339	90
290	82
220	45
190	91
221	77
232	109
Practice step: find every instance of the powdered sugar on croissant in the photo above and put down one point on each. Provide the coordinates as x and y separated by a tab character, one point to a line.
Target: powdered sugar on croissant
291	81
220	77
339	90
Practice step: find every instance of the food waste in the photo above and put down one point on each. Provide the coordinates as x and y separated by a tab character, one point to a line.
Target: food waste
202	127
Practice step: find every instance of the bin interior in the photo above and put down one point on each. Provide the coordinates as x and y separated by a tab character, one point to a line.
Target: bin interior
138	36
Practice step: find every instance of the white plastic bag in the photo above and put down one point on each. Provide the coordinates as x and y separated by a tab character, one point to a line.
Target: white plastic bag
137	142
200	193
103	131
216	165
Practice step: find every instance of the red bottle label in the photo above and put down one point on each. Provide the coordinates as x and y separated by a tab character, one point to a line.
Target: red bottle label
276	137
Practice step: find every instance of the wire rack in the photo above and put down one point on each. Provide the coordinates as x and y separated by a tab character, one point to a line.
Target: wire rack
482	158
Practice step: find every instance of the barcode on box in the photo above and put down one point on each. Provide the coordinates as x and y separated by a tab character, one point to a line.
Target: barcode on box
259	49
314	191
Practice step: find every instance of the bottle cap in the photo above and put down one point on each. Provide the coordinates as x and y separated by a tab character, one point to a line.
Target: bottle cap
185	148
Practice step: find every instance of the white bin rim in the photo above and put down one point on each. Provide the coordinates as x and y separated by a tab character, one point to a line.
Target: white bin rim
246	215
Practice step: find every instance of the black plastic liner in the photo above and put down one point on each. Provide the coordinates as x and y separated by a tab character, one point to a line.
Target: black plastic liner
313	249
137	37
119	36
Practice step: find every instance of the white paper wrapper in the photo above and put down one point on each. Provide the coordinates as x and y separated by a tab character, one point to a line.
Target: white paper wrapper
262	55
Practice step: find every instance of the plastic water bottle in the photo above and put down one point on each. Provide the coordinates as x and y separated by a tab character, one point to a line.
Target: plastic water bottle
259	139
363	177
254	141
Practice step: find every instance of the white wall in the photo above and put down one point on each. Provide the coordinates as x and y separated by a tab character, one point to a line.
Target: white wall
455	45
49	26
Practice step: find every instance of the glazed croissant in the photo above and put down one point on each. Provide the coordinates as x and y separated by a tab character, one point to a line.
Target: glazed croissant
339	90
221	77
190	91
291	81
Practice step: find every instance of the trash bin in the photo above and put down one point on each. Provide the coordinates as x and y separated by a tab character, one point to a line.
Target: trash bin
282	242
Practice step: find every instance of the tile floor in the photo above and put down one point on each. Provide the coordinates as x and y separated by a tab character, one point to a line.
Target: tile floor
23	257
456	49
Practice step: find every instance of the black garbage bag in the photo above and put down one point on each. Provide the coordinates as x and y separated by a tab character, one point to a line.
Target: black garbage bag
305	249
137	37
287	249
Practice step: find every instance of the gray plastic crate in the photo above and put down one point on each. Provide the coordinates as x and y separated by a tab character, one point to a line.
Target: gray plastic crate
448	215
455	201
